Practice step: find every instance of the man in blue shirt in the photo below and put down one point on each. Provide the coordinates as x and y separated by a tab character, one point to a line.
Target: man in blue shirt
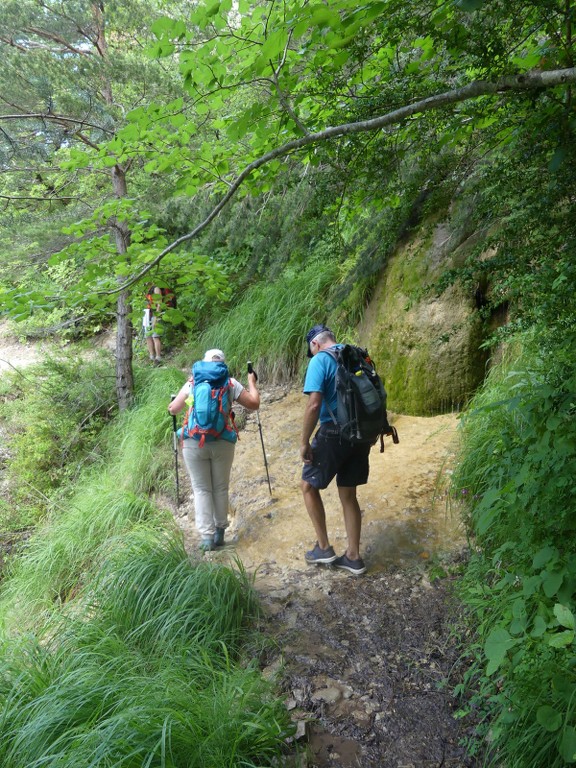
329	456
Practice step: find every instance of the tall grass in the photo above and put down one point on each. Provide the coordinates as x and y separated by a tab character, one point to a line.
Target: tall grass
108	500
117	649
269	325
143	671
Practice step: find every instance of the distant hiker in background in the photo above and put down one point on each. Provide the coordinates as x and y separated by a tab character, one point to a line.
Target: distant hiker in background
157	299
329	456
209	439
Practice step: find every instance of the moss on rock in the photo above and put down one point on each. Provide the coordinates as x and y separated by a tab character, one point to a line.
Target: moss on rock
427	347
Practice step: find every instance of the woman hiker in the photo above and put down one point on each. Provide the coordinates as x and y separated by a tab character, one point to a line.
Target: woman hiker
208	450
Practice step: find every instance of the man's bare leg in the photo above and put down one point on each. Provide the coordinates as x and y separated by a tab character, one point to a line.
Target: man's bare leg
352	520
315	508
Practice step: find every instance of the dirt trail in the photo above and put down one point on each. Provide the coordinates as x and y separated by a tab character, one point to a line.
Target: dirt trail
405	516
13	354
360	659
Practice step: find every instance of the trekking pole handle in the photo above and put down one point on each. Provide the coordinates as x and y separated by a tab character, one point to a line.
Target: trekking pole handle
173	397
251	370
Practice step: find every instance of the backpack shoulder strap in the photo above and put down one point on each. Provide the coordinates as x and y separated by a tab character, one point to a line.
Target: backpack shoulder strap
334	353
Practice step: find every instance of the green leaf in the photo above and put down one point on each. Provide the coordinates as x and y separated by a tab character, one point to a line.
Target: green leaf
568	744
489	510
540	627
497	645
162	26
518	626
531	60
543	556
558	158
178	120
274	45
549	718
109	161
325	17
551	582
531	585
565	616
561	639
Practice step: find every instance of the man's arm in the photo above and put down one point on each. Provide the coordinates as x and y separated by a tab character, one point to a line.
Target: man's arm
311	415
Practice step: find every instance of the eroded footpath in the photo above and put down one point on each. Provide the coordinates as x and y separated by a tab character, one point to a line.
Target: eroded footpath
363	661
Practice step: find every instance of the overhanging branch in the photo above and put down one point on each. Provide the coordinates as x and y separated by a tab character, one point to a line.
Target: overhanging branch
61	119
529	81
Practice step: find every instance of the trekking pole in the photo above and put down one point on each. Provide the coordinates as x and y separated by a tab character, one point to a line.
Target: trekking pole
251	370
175	447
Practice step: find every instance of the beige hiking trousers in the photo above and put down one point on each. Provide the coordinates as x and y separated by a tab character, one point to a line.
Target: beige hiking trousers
209	468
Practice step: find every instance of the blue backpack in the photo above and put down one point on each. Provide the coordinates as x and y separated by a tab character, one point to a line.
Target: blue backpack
210	416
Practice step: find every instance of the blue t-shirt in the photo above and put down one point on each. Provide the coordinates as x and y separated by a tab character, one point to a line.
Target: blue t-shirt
321	377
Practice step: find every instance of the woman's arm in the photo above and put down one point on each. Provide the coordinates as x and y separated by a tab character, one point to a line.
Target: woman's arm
250	398
180	400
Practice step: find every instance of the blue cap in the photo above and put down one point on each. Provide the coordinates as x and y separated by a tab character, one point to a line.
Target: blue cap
312	333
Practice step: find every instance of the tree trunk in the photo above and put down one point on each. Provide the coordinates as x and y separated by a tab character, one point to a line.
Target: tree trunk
124	374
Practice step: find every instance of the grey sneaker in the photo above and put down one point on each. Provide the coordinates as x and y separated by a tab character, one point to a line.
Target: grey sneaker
317	555
357	567
219	537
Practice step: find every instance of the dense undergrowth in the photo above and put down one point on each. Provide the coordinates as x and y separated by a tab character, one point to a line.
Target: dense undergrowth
516	476
56	411
117	648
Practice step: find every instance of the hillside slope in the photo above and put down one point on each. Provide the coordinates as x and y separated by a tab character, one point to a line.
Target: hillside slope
360	660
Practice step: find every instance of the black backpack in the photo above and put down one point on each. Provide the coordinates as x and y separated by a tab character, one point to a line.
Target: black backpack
361	398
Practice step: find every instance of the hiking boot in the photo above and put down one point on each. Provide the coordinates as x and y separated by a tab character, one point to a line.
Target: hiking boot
219	537
318	555
207	544
357	567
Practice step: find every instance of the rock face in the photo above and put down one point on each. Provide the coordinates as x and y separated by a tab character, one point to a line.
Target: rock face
427	346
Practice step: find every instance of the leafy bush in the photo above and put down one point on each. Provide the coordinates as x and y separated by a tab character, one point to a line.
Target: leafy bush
56	413
515	476
519	453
